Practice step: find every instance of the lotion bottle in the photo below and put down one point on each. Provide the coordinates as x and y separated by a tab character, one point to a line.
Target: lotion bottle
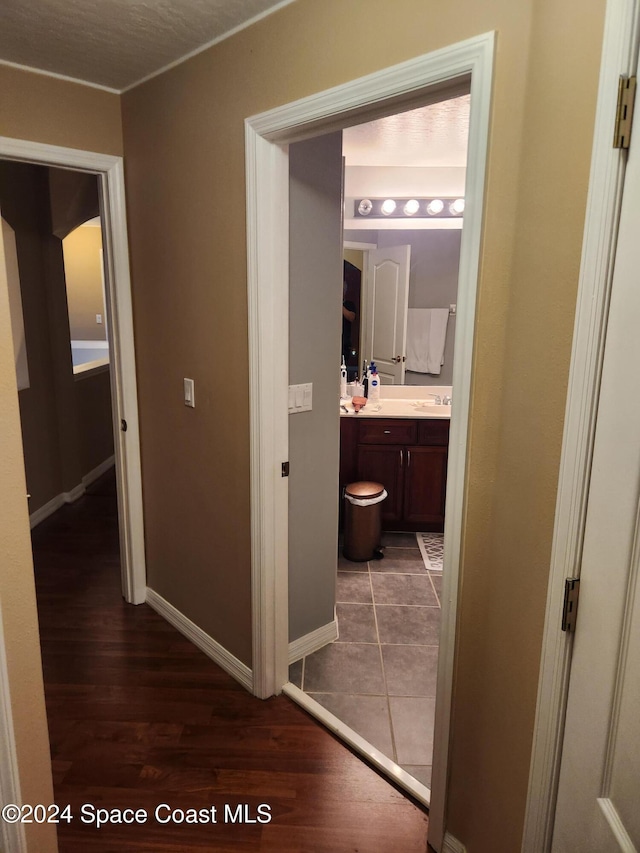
374	384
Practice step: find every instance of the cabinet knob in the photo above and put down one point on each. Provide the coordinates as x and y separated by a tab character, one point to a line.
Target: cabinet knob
387	432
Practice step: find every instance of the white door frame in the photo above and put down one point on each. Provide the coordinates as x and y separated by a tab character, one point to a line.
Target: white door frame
603	205
124	394
365	248
266	138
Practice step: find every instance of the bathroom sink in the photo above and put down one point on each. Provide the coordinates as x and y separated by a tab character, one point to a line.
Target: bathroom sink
432	409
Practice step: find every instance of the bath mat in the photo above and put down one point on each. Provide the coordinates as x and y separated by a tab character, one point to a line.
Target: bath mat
431	547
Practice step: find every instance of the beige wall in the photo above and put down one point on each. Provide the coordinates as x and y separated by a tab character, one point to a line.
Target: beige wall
57	112
83	273
95	425
38	109
185	177
185	171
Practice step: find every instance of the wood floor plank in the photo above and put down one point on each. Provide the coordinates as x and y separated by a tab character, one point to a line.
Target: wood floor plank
138	716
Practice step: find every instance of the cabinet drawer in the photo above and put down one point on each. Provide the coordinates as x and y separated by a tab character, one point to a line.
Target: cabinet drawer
433	432
396	431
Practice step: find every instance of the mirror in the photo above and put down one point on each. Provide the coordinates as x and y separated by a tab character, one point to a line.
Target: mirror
434	258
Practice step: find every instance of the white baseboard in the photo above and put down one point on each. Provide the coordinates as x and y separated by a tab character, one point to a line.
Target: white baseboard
310	643
98	471
452	845
204	642
63	498
54	504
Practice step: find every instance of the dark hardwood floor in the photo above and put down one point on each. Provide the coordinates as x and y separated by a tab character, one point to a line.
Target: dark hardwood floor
139	717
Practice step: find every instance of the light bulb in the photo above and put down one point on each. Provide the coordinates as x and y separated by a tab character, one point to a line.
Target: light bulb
435	207
411	207
388	206
365	207
456	207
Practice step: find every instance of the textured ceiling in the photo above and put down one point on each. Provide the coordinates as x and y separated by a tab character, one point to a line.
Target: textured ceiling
115	43
435	135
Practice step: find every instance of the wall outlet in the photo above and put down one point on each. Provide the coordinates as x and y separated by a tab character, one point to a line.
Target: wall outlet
99	319
300	398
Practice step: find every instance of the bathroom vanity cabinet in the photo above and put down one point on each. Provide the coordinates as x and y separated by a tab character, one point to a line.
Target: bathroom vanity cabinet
409	457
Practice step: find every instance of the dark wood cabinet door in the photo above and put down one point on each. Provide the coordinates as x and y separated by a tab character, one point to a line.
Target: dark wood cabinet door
425	478
383	464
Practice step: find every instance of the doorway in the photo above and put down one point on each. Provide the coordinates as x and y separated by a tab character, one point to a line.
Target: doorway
267	135
108	173
379	676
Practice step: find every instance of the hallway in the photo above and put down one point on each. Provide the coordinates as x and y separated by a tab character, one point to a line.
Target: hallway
139	717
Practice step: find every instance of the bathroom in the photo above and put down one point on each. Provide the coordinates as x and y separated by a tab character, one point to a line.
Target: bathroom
366	591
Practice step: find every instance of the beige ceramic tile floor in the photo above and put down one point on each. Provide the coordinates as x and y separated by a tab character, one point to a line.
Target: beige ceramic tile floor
379	677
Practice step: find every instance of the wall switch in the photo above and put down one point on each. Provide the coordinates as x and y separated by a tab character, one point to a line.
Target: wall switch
189	393
300	398
99	319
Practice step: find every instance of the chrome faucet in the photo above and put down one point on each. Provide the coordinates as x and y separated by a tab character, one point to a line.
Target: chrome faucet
438	399
446	401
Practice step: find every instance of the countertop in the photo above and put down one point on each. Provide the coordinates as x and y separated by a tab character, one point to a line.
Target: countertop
397	408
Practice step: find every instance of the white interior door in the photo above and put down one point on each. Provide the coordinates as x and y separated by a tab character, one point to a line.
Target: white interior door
386	299
599	789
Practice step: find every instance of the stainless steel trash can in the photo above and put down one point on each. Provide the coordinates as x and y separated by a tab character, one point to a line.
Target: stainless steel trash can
362	528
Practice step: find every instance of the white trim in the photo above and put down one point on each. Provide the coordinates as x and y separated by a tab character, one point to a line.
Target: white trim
75	494
98	471
89	344
267	274
390	769
603	203
199	638
616	826
90	368
124	395
209	44
362	247
12	835
314	640
39	515
268	309
57	76
452	845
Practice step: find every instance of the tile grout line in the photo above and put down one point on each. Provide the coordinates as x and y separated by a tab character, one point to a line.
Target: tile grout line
384	674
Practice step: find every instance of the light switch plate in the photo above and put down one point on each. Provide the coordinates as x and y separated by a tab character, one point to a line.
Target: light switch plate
300	398
189	393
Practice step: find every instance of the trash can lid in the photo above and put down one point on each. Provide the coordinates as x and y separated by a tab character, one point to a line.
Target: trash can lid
364	489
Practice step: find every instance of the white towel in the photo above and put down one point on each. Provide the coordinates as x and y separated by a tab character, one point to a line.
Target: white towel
426	334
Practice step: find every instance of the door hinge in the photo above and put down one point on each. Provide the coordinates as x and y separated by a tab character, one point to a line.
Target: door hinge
285	469
123	425
624	112
570	608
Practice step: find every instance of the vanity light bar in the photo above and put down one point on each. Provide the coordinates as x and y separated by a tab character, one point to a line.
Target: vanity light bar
444	207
